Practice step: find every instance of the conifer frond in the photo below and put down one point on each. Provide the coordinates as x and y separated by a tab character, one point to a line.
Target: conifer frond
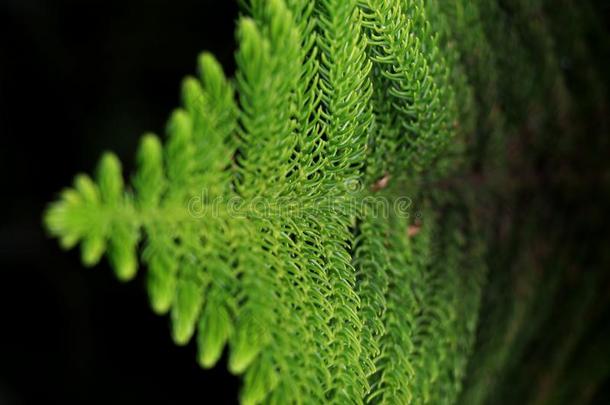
256	216
393	378
415	74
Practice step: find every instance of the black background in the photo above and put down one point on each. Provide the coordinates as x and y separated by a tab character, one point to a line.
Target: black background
77	78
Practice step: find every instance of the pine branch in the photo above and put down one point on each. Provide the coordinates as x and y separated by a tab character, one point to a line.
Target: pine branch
256	217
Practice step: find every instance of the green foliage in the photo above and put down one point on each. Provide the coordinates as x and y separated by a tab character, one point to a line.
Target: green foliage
256	217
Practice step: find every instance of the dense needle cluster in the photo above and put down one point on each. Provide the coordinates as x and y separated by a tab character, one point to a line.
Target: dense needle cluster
321	297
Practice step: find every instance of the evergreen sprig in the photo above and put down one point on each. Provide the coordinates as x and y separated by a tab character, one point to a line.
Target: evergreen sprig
256	218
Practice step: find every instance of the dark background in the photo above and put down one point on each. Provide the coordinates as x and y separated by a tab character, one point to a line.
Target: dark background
76	78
